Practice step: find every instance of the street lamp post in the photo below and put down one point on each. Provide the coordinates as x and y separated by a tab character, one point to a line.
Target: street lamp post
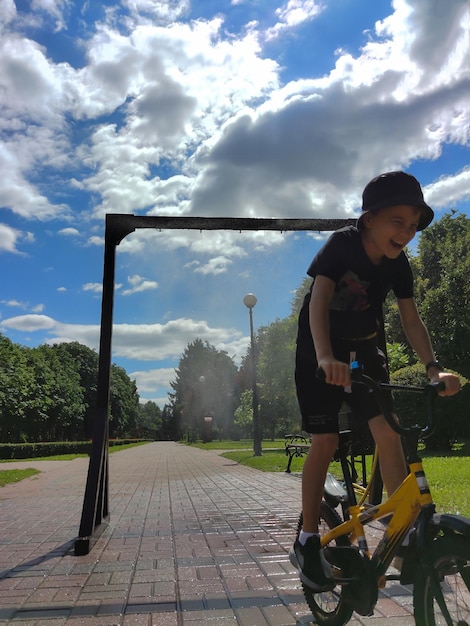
249	301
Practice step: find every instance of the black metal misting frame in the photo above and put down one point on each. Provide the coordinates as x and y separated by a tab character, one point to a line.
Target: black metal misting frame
95	511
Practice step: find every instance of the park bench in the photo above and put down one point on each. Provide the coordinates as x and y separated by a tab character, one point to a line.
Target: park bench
296	445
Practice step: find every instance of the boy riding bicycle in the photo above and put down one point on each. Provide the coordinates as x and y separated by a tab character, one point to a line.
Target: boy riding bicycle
340	321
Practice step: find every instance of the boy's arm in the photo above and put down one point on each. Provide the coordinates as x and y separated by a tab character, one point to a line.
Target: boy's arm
336	372
418	336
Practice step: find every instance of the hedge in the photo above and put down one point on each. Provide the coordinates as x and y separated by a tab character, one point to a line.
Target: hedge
15	451
452	413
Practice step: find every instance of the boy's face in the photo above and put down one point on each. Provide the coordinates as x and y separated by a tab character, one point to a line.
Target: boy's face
388	231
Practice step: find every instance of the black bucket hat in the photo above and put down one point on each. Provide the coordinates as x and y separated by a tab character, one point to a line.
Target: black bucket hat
393	188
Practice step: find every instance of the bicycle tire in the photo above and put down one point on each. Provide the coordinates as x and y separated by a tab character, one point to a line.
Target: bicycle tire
328	607
451	560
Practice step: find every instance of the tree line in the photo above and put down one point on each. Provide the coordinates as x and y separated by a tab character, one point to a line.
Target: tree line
48	393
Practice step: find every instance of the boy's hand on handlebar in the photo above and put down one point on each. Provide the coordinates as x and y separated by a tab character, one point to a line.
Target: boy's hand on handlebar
336	372
451	382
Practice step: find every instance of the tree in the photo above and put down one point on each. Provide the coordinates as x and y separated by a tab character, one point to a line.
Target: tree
244	413
40	394
299	295
276	366
171	427
443	288
124	403
16	378
441	268
60	394
205	385
124	399
86	363
46	393
149	423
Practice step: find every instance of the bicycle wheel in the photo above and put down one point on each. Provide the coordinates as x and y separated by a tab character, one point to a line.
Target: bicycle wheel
328	607
451	561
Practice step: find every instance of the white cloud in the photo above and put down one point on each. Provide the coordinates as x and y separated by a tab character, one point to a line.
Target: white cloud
312	148
216	265
13	303
292	14
37	308
163	12
145	342
242	146
54	8
223	244
69	232
8	238
448	191
159	71
433	35
150	380
139	284
94	287
95	240
7	12
29	323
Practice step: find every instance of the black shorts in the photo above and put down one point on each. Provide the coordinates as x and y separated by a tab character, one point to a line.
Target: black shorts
320	402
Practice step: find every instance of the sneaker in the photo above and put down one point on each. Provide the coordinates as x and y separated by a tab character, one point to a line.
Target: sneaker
314	570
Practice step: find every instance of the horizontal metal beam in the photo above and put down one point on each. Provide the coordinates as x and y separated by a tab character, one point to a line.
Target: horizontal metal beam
118	225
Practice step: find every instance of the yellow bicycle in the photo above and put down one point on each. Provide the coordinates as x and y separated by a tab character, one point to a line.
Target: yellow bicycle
437	557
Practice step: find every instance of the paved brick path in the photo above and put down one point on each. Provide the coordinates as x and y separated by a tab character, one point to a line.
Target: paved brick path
193	540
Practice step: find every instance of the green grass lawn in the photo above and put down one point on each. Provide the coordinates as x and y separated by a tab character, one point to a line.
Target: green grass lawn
14	476
448	476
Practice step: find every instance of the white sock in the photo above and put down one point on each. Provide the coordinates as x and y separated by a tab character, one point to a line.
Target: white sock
303	536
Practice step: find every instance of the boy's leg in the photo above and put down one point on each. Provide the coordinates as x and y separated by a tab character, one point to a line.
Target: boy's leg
306	554
391	457
313	477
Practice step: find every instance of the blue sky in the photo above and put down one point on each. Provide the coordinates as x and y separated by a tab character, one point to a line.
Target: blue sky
241	108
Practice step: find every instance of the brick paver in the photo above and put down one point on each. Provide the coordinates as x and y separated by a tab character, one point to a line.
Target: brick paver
193	539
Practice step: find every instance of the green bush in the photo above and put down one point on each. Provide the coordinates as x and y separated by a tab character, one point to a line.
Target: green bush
452	414
12	451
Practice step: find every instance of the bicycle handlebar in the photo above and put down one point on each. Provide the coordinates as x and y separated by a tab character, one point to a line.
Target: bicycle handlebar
430	391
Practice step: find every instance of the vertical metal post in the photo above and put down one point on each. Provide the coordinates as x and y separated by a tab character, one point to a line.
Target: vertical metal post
96	500
249	301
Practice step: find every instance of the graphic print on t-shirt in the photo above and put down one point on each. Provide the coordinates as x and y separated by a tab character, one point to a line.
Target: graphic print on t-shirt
350	294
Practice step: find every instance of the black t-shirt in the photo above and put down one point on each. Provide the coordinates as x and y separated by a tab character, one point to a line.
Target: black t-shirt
361	287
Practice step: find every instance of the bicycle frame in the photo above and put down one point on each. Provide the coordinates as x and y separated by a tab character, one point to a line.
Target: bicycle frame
405	504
